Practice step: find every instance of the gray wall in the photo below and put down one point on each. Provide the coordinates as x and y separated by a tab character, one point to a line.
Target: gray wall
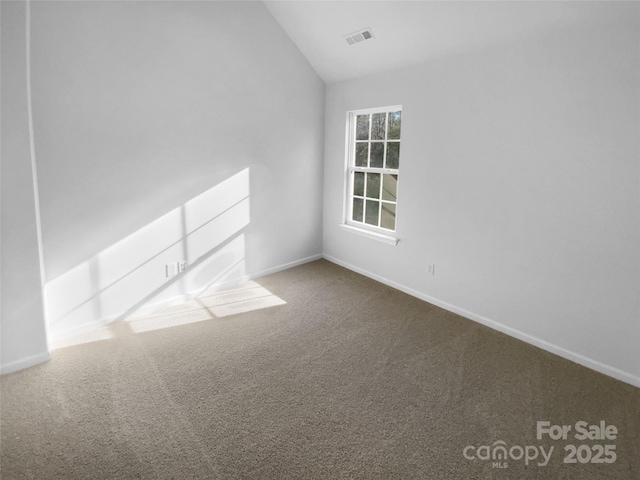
519	180
23	335
169	131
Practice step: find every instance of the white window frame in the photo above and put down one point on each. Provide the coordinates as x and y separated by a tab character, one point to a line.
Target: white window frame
363	228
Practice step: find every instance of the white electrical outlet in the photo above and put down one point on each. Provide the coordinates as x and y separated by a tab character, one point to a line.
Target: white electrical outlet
182	266
431	269
171	269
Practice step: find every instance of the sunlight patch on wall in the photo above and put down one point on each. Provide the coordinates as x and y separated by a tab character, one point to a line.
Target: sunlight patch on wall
205	233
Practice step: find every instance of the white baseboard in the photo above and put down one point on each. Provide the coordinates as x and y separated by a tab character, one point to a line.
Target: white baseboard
79	329
220	286
285	266
26	362
537	342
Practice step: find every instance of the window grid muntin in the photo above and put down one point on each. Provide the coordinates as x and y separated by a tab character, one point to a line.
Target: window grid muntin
382	171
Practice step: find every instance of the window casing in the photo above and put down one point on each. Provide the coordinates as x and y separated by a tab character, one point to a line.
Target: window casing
373	161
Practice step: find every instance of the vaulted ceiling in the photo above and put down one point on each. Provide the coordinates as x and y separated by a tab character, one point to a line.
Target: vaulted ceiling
410	32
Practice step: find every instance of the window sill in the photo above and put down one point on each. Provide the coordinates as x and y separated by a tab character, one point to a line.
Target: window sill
380	237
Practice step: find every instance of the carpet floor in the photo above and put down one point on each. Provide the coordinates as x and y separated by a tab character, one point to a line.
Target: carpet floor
338	377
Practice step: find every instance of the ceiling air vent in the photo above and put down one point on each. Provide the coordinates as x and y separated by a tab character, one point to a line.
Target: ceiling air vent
358	37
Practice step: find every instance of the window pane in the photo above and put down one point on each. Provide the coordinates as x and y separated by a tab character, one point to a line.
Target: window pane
389	187
362	127
373	185
358	184
377	154
377	126
362	154
388	217
371	216
394	124
358	206
393	154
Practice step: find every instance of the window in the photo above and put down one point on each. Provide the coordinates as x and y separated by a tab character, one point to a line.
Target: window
373	155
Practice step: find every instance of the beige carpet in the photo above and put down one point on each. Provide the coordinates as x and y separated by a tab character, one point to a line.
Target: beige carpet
347	379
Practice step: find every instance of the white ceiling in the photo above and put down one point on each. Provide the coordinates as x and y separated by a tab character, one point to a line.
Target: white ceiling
410	32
